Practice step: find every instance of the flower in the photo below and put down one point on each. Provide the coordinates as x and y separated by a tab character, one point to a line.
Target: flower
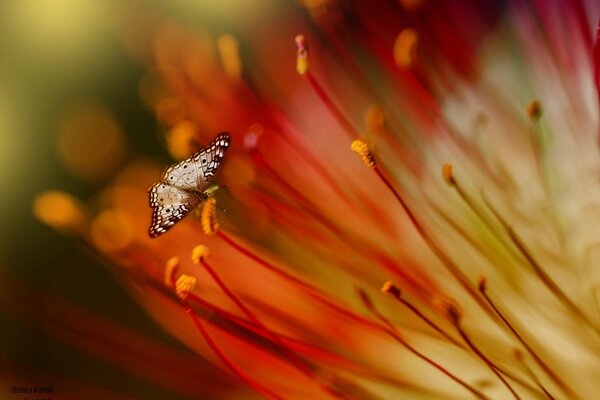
455	260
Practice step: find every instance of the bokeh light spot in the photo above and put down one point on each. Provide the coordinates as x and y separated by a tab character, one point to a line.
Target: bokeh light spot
60	211
229	52
112	230
90	142
181	139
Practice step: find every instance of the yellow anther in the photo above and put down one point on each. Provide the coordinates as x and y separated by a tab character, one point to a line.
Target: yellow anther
362	149
448	174
301	55
390	288
199	253
208	217
171	269
185	284
534	110
405	48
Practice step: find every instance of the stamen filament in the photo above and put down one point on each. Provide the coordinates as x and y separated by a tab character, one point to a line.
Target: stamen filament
450	178
448	263
333	109
344	237
294	139
519	357
393	332
455	318
392	289
302	66
539	271
339	361
307	288
226	360
293	357
559	382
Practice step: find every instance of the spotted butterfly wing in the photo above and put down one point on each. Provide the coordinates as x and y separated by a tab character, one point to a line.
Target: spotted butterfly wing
183	185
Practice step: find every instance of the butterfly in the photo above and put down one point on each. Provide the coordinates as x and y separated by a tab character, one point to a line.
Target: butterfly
183	186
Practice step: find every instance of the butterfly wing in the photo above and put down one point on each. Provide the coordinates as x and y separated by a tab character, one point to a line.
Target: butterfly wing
169	205
197	171
182	185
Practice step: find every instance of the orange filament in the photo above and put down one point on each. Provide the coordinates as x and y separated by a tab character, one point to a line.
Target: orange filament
307	288
171	268
302	67
301	55
362	149
185	283
226	360
347	365
208	217
296	360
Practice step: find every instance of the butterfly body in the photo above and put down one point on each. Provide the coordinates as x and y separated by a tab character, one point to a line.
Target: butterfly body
185	185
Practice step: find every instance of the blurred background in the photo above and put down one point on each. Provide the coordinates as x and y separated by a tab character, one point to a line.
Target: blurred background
71	115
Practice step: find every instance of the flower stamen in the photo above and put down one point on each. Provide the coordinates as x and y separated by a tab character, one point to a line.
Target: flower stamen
226	360
530	374
301	55
185	284
555	378
307	288
390	288
362	149
302	65
300	363
455	316
199	253
171	268
448	175
539	271
208	217
394	333
450	179
446	261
